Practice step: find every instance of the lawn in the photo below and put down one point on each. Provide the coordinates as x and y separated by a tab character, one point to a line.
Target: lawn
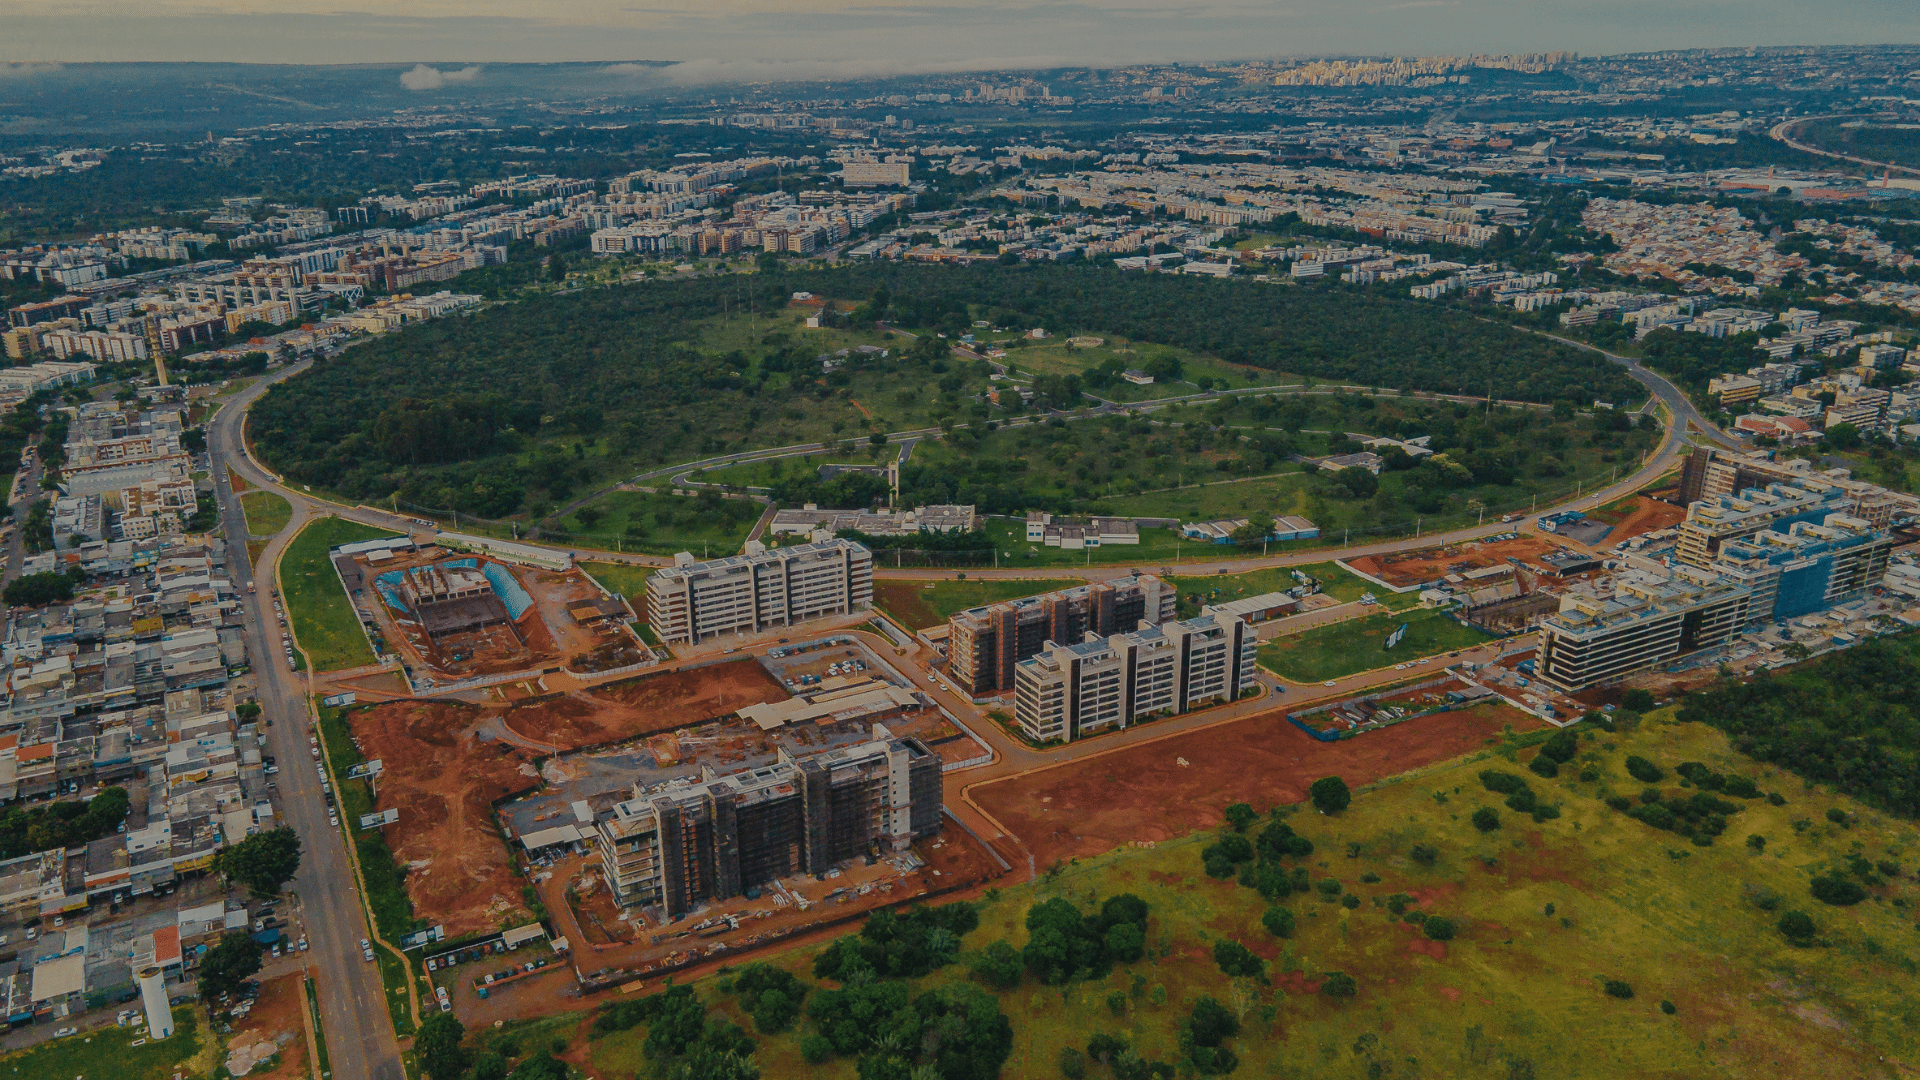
660	524
108	1055
1346	648
323	619
920	604
267	513
627	580
1547	913
1156	546
1335	581
1056	357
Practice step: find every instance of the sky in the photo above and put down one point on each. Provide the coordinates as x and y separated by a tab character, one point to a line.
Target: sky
724	40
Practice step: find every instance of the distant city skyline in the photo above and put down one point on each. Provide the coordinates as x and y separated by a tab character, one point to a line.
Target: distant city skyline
746	40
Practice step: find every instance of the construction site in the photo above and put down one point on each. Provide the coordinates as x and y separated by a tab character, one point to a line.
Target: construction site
460	615
1407	571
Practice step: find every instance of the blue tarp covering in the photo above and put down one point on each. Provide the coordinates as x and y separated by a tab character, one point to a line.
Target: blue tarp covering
508	589
502	580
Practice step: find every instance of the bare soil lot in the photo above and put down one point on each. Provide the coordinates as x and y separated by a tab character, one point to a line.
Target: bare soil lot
643	706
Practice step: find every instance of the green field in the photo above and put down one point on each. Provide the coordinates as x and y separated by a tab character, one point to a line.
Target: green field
1547	913
1056	357
1335	581
267	513
107	1054
323	619
659	524
920	604
627	580
1340	649
1156	546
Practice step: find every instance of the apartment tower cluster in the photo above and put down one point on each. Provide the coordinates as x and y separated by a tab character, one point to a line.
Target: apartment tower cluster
986	644
760	590
1066	692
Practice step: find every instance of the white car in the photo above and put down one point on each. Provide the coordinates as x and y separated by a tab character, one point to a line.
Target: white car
1329	682
65	1031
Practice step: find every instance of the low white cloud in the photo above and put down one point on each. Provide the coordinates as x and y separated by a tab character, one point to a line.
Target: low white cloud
428	77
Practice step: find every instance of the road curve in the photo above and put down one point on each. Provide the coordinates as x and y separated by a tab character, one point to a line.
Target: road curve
1780	131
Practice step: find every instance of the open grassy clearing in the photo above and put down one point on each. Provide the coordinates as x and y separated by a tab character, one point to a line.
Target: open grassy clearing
1547	914
267	513
920	604
627	580
323	619
1335	581
108	1054
1056	357
660	523
1340	649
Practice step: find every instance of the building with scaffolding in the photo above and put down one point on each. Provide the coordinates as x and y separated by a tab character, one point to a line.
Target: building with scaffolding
681	843
762	589
985	644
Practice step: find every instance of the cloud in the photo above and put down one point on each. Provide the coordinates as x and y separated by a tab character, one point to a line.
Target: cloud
428	77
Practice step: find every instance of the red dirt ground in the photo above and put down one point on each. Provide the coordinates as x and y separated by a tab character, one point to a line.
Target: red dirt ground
275	1018
1648	515
443	780
1090	806
1427	565
645	705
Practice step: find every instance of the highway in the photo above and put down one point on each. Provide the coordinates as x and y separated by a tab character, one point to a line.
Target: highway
359	1033
1780	131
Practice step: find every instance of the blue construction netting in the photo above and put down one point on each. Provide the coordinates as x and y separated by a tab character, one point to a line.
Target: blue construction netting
507	588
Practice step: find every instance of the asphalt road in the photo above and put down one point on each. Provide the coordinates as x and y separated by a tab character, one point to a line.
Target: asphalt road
1779	131
354	1018
25	490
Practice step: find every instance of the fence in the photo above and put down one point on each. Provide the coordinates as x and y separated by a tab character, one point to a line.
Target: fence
1298	719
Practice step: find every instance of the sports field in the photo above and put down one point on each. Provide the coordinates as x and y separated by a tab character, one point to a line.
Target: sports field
323	620
1341	649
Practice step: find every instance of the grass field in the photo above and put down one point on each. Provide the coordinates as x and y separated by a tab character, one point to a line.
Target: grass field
660	524
1341	584
1547	913
322	617
1341	649
920	604
1056	357
627	580
108	1055
267	513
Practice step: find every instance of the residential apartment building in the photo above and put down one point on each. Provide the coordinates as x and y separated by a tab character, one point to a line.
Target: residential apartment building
1066	692
679	845
1712	522
1806	567
1636	620
984	644
762	589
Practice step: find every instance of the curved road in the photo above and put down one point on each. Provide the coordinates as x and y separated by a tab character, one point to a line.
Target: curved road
1780	131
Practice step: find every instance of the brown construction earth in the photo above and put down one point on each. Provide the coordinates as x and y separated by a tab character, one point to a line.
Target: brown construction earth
1094	805
443	780
645	705
1426	565
1640	514
273	1026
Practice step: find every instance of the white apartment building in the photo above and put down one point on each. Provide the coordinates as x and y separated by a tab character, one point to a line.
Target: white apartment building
1066	692
762	589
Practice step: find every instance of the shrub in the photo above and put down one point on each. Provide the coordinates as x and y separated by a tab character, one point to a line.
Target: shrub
1637	700
1211	1022
1837	891
1774	798
1438	928
1797	927
1757	842
1589	774
1073	1063
1837	816
1644	771
1117	1003
1329	887
1216	864
998	965
1561	747
1503	783
1523	802
1278	921
1486	819
1350	901
1236	959
1330	794
1423	854
1667	1007
1619	989
1339	984
815	1049
1542	765
1620	802
1740	787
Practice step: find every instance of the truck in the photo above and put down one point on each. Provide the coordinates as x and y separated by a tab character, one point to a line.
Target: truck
250	588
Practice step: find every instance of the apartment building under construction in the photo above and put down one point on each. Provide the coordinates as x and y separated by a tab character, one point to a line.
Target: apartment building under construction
760	590
985	644
679	844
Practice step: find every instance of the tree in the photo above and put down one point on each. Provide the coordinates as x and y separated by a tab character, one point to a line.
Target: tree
1561	747
437	1044
233	960
1330	794
1257	528
556	267
1542	765
1241	816
1339	984
1619	988
1126	942
998	965
1837	891
37	590
1637	699
1842	437
1424	854
1798	928
1278	921
1438	928
541	1066
1237	960
1796	650
262	862
1486	819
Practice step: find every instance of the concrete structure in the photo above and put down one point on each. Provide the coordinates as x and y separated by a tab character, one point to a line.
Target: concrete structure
1635	621
1066	692
524	554
985	643
873	174
1711	523
680	844
1808	567
762	589
1257	609
153	996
